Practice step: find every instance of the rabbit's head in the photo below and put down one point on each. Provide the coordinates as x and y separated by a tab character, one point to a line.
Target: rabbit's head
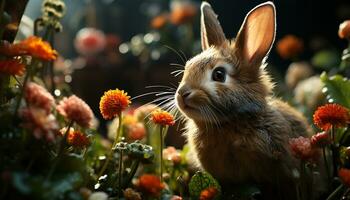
227	78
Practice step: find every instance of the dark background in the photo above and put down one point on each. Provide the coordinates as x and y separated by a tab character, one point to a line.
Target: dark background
316	22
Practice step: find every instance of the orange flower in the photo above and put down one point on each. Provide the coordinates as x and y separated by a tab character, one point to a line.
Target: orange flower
38	48
159	21
11	50
136	131
183	13
150	184
33	46
162	117
344	30
77	139
12	67
331	115
208	194
113	102
344	175
289	46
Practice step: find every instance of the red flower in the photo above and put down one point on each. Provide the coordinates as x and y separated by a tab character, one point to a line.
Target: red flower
77	139
344	175
302	149
162	118
331	115
150	185
12	67
89	41
320	139
208	194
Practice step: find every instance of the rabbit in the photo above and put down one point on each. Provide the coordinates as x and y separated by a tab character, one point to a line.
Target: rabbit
235	128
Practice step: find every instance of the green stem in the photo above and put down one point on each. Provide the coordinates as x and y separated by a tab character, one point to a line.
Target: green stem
161	153
60	151
333	145
116	139
335	192
26	78
326	164
120	173
133	170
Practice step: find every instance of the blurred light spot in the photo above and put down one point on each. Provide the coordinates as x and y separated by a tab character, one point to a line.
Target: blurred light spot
57	92
155	54
123	48
331	100
68	78
156	37
148	38
324	90
136	40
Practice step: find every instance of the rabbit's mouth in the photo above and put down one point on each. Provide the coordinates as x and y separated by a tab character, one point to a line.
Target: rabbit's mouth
188	107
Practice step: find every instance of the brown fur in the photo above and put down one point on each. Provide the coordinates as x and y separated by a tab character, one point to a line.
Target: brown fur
236	130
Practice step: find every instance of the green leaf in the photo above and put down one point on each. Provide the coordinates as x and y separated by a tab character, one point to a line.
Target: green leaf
326	59
338	89
201	181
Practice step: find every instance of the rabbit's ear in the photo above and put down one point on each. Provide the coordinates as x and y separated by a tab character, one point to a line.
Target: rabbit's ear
211	31
257	33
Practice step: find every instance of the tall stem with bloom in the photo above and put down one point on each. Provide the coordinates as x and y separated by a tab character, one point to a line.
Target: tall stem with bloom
120	173
326	164
161	153
116	139
333	148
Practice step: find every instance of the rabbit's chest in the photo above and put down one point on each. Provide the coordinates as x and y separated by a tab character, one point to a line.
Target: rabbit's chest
231	158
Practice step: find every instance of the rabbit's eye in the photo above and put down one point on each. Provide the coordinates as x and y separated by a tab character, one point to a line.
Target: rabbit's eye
219	74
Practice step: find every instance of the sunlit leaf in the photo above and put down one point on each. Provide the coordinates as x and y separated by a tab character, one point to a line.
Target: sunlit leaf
337	89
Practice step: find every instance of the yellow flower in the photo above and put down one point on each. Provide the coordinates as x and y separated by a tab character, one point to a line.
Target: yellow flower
113	102
162	117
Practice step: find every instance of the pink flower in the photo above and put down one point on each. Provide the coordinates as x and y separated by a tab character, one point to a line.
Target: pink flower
136	131
320	139
172	154
76	110
36	95
90	41
41	123
302	149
